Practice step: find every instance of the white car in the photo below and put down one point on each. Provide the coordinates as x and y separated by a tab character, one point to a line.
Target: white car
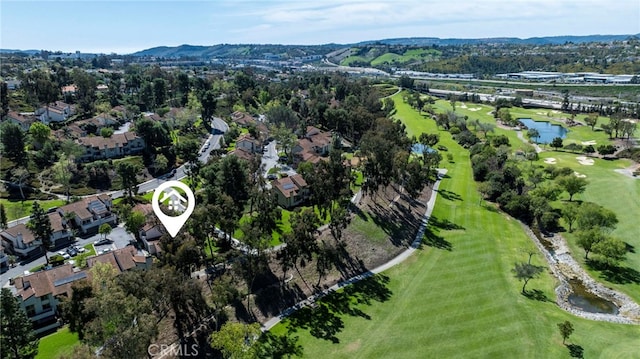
64	254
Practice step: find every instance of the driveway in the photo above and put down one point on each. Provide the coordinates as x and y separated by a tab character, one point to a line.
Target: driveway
269	158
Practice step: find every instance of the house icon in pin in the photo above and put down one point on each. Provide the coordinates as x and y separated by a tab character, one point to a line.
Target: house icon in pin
176	201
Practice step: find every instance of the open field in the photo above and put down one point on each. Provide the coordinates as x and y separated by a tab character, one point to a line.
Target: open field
457	297
59	343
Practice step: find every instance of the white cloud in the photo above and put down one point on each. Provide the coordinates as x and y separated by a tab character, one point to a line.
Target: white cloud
313	21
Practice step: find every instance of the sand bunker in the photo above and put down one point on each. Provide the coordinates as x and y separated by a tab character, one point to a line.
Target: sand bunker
550	160
585	161
587	143
555	111
579	175
463	105
475	109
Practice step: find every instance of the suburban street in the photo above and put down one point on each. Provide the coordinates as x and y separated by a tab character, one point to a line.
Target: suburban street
119	236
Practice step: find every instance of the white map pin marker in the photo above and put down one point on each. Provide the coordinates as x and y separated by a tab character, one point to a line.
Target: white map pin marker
176	202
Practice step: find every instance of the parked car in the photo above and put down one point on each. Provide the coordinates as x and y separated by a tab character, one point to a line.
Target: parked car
80	249
64	254
272	177
72	251
100	242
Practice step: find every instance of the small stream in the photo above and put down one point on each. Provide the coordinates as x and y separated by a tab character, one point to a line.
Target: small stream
587	301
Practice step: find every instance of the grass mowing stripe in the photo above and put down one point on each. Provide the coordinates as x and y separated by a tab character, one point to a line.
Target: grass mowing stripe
479	312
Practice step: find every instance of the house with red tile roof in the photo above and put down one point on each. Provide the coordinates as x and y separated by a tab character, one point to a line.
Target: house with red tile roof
314	145
19	240
96	123
123	259
90	212
24	121
38	293
242	154
118	145
248	143
291	190
56	112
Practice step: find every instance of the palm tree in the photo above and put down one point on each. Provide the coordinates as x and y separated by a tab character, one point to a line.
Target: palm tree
533	133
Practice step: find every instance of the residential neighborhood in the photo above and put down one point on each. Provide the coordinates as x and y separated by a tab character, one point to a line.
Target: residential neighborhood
334	191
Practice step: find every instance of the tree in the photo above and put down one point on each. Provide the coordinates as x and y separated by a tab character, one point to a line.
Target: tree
4	100
610	250
188	152
39	133
591	120
284	137
122	325
17	338
86	92
134	222
208	105
588	149
570	214
104	230
106	132
236	340
606	150
40	226
533	133
566	329
12	142
3	217
128	172
592	215
588	238
572	184
556	143
73	309
21	176
525	272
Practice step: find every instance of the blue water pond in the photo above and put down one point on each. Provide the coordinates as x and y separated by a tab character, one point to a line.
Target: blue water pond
547	130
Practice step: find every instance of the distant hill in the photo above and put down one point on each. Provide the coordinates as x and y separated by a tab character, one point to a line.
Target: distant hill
290	51
274	51
549	40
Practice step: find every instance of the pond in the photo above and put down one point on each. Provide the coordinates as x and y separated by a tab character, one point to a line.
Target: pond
547	130
418	148
588	301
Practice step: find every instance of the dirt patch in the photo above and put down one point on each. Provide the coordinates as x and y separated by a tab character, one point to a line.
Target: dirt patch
352	347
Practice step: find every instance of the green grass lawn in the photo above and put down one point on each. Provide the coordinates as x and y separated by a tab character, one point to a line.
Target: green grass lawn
457	297
19	209
618	193
59	343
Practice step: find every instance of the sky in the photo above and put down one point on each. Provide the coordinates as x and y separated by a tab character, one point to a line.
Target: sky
127	26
